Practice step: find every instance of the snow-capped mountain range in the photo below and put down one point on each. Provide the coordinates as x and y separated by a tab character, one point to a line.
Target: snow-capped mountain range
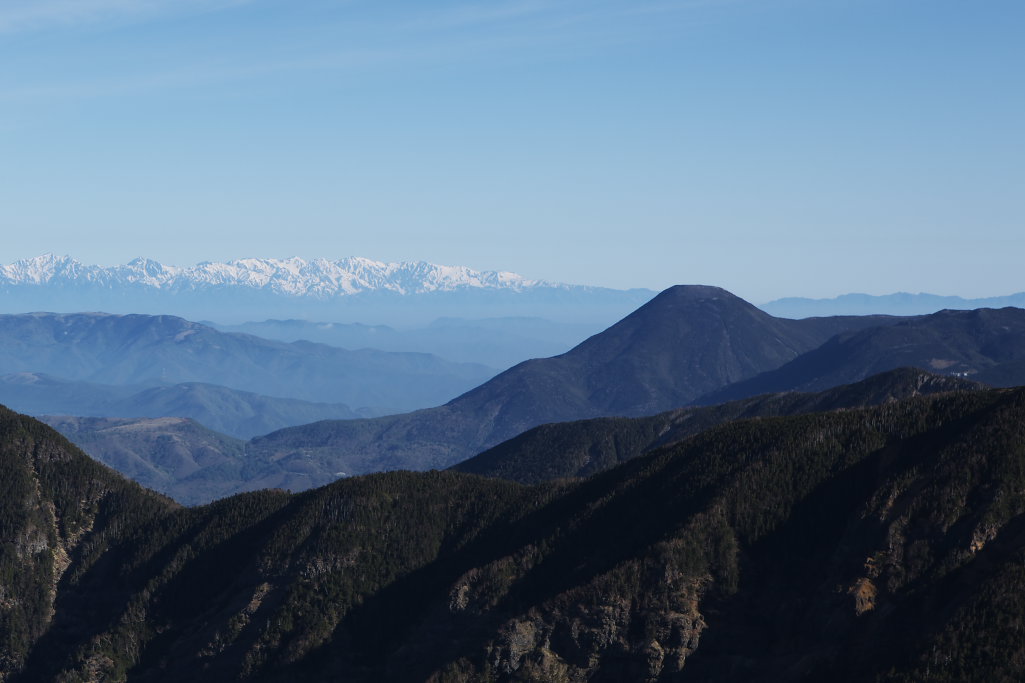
317	278
347	290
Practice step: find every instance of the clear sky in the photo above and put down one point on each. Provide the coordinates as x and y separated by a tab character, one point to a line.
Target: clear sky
772	147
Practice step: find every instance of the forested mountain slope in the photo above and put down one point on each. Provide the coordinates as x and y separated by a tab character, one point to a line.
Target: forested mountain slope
881	543
986	345
583	448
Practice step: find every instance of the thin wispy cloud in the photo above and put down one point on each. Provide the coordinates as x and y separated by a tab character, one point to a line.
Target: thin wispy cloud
466	32
34	15
482	14
199	75
477	14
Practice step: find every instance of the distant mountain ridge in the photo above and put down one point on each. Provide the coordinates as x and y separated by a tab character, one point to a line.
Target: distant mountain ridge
319	278
899	303
240	414
687	341
583	448
139	349
495	342
658	358
194	465
353	289
986	345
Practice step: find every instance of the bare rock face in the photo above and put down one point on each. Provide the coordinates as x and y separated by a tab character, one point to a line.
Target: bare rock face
613	638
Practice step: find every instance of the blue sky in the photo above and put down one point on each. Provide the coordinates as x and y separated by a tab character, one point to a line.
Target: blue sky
773	147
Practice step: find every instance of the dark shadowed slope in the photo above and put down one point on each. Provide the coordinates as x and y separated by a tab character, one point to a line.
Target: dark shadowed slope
685	342
583	448
986	345
60	513
875	544
665	354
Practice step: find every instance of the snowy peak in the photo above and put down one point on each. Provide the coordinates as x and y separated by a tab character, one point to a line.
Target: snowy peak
318	278
42	269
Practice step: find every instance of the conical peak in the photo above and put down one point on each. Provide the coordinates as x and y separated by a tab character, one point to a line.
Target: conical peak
684	304
691	295
696	292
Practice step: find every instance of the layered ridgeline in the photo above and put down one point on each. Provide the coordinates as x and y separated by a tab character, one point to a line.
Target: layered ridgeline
495	342
348	290
140	351
685	342
241	414
688	343
583	448
194	465
986	345
878	543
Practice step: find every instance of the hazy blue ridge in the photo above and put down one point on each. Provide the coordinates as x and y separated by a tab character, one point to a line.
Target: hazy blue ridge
495	342
901	303
147	350
241	414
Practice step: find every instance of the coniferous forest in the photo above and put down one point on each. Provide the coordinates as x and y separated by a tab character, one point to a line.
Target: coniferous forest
874	543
